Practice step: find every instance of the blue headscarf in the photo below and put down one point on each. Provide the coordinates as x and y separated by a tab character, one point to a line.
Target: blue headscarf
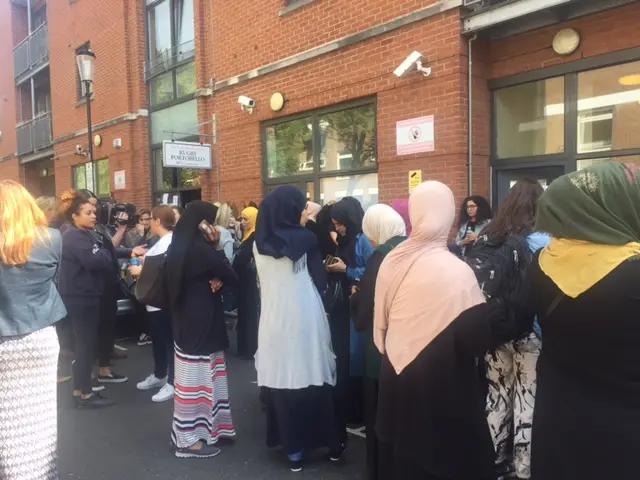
279	233
278	230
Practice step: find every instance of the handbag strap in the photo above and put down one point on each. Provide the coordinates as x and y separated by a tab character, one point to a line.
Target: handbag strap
556	300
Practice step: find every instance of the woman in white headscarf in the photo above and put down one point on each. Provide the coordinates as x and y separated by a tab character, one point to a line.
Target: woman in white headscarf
385	229
431	322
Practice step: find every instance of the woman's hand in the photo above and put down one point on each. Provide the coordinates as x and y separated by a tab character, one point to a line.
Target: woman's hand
354	289
140	251
338	267
212	236
135	270
216	285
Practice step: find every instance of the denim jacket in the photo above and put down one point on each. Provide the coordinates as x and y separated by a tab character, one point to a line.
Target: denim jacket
364	249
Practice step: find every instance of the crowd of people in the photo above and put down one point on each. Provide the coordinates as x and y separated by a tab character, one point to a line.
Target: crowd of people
477	356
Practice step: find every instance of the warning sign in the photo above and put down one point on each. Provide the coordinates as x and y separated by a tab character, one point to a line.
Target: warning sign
415	179
415	135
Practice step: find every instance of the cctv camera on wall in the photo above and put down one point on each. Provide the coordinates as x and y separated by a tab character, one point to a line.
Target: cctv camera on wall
246	103
413	60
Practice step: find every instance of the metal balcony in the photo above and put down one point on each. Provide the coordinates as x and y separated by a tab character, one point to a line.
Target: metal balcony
169	58
32	54
35	134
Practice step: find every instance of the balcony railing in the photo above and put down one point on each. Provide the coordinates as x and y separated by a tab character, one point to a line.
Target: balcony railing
168	58
32	52
34	134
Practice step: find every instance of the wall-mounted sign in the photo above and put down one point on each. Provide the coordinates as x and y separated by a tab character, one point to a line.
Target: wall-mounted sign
415	135
415	179
186	155
119	180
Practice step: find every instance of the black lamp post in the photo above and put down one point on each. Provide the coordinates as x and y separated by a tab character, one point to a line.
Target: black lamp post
85	59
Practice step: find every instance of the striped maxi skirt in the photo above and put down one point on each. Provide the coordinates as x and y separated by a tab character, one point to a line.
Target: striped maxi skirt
201	409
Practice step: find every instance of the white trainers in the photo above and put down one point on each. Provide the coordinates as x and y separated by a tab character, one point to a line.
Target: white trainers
152	382
165	393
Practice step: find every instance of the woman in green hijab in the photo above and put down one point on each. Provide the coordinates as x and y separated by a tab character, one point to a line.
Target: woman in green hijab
585	288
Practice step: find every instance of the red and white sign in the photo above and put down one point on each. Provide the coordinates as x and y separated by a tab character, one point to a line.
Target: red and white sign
415	135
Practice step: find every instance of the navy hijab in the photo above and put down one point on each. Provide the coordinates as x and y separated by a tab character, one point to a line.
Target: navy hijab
349	213
279	233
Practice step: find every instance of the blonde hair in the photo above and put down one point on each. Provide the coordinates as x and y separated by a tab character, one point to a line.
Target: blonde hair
21	223
48	205
224	214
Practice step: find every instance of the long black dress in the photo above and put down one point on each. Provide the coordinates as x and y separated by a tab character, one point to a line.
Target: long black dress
248	294
431	418
587	418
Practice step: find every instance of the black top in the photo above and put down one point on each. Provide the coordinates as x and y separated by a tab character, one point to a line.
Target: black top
87	265
587	416
198	315
433	414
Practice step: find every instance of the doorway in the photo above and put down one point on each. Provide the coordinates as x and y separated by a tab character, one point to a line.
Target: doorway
505	179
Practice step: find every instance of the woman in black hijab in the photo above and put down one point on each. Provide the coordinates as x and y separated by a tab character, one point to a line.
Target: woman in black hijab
196	270
354	250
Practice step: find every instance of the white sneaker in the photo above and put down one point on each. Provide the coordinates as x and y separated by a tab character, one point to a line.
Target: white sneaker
152	382
165	393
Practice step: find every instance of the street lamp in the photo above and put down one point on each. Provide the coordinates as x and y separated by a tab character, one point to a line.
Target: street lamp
85	59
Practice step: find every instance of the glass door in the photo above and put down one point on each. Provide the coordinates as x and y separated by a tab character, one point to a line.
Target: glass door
505	179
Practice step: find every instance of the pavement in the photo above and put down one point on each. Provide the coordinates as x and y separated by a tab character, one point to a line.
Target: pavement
130	441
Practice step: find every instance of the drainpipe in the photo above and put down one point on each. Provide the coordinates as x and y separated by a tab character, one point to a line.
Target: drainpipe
470	114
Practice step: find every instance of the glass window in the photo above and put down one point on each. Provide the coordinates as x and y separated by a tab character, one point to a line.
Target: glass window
289	148
190	178
184	24
160	29
186	79
595	161
161	88
166	178
530	119
181	118
362	187
348	139
609	108
103	179
79	177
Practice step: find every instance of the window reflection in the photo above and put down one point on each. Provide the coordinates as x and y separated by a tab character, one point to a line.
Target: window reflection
362	187
289	148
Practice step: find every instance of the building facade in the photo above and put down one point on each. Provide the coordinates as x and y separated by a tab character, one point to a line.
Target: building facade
550	86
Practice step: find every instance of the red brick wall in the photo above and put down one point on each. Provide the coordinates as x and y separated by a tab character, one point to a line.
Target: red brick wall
607	32
7	83
246	41
10	170
118	41
361	70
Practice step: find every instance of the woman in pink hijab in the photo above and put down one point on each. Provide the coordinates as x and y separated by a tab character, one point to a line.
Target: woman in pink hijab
431	323
402	207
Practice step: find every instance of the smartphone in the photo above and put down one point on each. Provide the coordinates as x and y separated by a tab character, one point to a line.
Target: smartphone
206	228
331	260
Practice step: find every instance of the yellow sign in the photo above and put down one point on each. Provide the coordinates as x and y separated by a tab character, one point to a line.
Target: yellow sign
415	179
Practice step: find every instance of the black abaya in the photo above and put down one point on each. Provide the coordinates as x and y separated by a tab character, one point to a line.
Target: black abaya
431	417
248	297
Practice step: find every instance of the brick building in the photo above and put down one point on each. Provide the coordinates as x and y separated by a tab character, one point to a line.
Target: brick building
555	86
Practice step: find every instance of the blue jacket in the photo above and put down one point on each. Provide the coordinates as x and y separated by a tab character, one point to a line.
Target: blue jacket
86	265
364	249
29	300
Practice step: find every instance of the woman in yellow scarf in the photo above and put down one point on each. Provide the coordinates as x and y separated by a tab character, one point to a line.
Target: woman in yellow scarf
585	289
248	291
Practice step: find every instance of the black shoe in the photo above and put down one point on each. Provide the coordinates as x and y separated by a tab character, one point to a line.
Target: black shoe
144	340
295	465
207	451
337	456
95	401
112	378
95	386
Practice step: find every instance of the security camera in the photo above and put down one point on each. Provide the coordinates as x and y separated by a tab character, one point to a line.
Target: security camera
247	103
79	150
415	59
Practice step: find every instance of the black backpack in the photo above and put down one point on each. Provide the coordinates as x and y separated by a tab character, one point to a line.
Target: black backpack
501	265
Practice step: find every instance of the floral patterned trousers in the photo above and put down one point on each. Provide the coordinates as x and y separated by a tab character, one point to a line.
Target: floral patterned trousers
511	372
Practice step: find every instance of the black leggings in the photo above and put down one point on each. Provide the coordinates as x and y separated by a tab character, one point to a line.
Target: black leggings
107	327
85	319
159	325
